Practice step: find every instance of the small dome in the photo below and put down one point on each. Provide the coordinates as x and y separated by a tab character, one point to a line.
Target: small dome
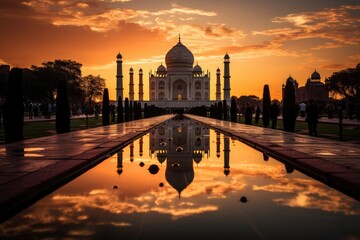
226	56
197	68
161	68
290	78
315	75
140	71
218	71
131	70
119	55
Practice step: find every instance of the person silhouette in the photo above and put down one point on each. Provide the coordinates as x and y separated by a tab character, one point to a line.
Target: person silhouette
312	116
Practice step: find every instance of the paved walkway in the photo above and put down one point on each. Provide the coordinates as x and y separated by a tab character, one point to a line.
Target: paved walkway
34	167
333	162
31	168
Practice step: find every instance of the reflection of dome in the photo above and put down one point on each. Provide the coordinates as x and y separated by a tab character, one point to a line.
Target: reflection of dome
197	155
315	75
161	156
179	56
179	177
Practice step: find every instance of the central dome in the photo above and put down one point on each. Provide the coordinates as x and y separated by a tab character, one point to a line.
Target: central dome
179	56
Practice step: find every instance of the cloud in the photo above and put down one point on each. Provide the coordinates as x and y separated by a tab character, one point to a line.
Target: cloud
336	25
176	9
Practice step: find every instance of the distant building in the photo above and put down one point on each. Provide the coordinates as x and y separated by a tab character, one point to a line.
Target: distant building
314	89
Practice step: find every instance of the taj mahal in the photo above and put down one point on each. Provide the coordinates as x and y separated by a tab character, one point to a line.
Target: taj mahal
179	83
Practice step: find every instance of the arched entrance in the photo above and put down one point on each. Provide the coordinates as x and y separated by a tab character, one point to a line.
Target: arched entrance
179	90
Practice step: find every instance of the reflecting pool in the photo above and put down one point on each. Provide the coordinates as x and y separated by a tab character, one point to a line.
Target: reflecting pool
183	180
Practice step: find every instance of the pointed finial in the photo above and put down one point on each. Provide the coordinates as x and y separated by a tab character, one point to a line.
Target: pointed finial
179	38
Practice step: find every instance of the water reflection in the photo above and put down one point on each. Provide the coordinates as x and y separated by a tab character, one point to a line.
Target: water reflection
175	182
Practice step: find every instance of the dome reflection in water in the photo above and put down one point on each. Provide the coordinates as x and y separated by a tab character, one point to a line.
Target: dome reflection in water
215	187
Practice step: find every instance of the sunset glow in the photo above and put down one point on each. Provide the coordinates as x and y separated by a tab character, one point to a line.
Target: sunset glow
267	40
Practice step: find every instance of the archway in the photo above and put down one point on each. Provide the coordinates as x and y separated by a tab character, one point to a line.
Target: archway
179	89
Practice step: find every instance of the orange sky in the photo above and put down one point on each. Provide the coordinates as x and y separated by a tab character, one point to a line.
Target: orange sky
266	40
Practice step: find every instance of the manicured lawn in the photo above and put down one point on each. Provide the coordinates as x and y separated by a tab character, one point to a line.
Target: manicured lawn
351	133
46	128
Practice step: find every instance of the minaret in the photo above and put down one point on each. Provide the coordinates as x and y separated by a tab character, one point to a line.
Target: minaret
141	151
119	162
119	77
226	156
218	85
218	144
131	85
141	85
227	78
132	152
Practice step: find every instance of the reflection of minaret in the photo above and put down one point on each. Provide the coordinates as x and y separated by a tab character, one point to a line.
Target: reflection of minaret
227	78
218	144
226	155
218	85
141	90
119	162
119	77
131	85
132	151
141	146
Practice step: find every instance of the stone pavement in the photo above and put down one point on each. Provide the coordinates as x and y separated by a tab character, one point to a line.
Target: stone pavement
31	168
334	163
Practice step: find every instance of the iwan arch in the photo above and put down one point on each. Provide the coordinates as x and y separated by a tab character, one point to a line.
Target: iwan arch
179	83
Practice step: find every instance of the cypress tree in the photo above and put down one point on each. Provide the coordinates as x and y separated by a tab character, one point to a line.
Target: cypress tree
131	110
127	110
248	114
62	108
106	108
289	107
146	114
14	108
139	109
233	110
219	111
120	110
266	106
225	110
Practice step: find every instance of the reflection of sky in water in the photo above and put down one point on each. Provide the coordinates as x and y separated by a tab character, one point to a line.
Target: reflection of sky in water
202	186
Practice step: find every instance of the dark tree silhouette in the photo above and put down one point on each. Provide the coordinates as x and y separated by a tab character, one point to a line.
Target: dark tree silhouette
289	107
248	114
120	110
345	83
233	110
127	110
14	108
225	114
93	86
257	114
62	108
106	108
266	106
219	110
